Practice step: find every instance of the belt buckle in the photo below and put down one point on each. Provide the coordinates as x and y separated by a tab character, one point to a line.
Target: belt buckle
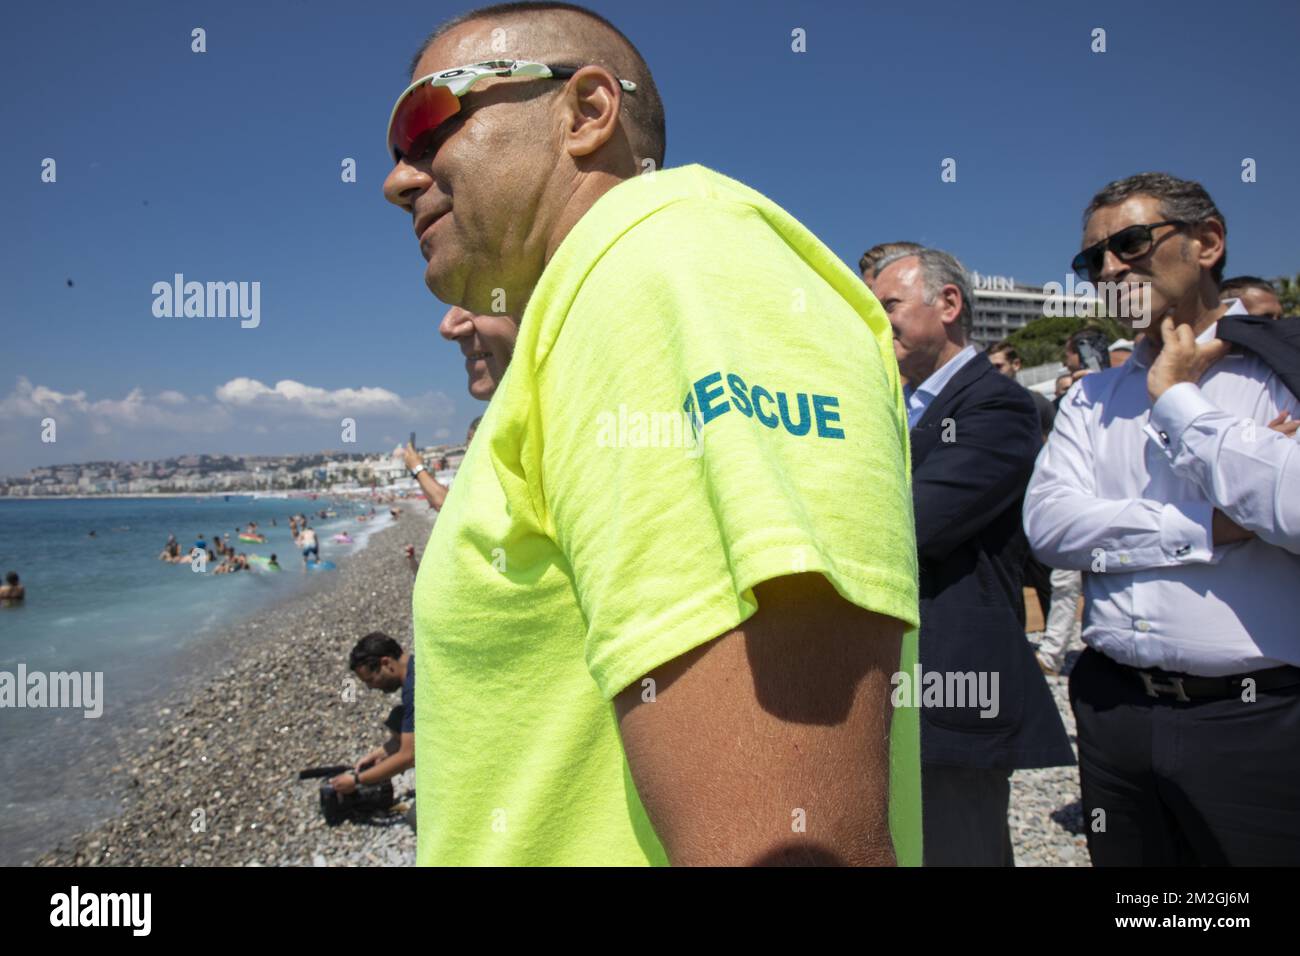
1173	686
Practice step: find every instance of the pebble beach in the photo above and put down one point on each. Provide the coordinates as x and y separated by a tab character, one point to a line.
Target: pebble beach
211	778
1046	817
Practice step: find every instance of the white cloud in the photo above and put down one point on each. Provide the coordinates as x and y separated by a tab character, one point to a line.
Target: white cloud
290	397
243	415
136	410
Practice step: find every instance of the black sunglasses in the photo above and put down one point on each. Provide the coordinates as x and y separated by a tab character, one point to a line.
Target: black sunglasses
1127	244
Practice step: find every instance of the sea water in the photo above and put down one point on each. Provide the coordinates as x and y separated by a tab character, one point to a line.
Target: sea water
106	604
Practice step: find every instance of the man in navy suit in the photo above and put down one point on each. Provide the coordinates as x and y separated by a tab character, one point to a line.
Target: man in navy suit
986	708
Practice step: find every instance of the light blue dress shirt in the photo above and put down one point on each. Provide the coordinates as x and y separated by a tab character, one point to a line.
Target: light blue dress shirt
919	398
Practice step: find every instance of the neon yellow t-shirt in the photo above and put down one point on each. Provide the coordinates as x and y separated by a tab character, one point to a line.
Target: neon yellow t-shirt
702	397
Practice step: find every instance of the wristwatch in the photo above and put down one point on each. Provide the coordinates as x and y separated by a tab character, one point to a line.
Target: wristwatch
356	777
415	472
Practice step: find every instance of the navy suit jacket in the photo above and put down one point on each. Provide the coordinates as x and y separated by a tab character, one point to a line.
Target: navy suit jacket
973	452
1275	341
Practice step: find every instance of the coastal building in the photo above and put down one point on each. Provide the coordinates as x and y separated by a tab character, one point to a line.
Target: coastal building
230	474
386	470
1003	306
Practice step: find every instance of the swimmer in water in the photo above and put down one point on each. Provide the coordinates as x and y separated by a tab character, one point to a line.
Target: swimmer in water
12	592
171	550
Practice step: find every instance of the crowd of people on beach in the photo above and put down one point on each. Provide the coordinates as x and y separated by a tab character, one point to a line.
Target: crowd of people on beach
204	553
224	558
219	554
804	640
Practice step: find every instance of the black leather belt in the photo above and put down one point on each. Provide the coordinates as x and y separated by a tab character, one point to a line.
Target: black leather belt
1187	687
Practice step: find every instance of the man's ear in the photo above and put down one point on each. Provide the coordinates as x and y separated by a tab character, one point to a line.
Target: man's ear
591	103
951	296
1213	243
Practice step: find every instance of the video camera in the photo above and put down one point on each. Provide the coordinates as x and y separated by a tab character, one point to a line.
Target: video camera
366	799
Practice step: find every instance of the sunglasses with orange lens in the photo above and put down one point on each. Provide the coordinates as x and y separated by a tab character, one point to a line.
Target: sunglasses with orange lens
432	100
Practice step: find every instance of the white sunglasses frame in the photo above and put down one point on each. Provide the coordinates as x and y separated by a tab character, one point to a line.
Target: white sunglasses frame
459	80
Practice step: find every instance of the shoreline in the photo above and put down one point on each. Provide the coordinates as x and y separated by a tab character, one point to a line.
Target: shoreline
206	774
222	747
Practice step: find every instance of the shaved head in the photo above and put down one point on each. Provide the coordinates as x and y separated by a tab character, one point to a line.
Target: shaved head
494	188
562	34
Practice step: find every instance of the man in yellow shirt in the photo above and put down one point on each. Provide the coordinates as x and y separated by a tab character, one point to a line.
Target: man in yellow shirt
659	614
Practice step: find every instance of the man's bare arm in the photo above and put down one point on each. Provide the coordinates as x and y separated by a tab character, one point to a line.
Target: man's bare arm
780	722
401	759
434	490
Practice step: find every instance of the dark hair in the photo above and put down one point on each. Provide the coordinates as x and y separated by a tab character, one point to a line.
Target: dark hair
371	648
1242	283
11	577
644	108
1179	199
1003	346
878	252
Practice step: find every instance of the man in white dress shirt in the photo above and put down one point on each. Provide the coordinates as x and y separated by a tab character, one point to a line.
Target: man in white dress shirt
1173	483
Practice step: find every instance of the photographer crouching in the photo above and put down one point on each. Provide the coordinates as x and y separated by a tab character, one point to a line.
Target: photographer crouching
381	664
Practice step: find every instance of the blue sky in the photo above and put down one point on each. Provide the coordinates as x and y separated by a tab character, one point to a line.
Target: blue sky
225	166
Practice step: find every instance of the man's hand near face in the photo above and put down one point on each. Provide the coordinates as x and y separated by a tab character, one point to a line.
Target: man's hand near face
788	712
1181	358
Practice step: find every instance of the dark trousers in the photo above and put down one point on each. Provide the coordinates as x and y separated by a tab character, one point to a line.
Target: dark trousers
1202	783
964	816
